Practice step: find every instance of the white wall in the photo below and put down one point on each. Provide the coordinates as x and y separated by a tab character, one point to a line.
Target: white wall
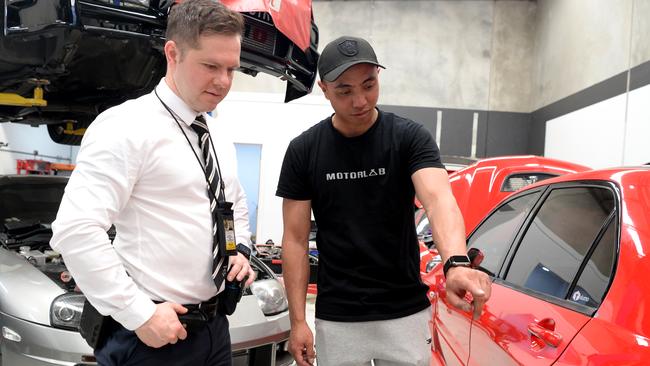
592	136
27	139
261	118
637	149
603	135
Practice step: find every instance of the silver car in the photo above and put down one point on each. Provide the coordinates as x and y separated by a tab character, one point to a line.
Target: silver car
40	305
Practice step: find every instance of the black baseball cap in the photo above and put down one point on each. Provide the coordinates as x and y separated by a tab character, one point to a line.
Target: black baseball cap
343	53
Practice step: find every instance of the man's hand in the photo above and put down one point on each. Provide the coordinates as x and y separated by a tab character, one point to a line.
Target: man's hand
301	344
240	268
460	281
163	327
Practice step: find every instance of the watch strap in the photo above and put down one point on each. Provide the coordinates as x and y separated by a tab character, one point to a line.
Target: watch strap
244	250
456	261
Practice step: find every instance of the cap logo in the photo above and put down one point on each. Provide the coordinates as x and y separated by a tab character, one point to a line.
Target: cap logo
348	47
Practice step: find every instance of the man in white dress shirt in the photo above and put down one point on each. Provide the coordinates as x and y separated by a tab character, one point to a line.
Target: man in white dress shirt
138	168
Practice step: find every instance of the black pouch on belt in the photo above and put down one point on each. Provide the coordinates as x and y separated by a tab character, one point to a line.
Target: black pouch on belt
230	296
95	327
193	320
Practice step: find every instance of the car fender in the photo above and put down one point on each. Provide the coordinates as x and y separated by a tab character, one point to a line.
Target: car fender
25	292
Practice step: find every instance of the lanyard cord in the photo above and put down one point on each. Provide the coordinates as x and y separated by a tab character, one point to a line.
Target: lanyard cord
205	174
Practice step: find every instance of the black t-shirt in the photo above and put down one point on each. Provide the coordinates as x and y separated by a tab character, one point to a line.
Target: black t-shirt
362	198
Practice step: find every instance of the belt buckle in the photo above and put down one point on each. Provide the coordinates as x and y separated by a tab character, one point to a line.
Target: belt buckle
209	307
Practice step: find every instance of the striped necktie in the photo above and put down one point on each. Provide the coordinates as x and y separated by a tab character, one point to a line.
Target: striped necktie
219	260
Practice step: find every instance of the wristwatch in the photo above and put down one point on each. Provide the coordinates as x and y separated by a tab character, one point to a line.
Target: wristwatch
244	250
456	261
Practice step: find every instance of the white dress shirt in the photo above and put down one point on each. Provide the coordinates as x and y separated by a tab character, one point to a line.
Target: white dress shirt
136	170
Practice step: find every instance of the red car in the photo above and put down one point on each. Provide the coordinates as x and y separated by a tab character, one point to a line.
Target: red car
480	186
568	258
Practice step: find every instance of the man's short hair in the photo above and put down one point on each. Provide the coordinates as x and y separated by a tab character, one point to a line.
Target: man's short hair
191	19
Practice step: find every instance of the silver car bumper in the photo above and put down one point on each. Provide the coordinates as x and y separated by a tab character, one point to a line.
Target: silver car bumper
42	345
255	339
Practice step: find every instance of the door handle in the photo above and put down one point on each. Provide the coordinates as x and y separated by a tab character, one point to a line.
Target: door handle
545	330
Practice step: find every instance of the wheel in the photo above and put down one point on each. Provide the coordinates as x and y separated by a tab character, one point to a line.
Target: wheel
68	132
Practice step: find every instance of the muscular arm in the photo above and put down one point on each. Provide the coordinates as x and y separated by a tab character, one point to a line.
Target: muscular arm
295	270
447	227
295	264
433	190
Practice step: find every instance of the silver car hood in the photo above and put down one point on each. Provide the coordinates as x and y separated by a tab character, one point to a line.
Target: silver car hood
25	292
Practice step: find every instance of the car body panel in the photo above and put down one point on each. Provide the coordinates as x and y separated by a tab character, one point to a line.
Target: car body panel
293	18
615	333
451	333
41	344
248	319
502	331
19	279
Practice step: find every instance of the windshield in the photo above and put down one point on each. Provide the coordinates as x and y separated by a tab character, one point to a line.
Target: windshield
31	201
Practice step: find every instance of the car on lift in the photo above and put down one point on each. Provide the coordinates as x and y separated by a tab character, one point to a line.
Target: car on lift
62	62
567	258
40	305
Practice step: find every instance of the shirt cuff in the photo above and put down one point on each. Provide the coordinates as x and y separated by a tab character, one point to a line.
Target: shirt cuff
137	313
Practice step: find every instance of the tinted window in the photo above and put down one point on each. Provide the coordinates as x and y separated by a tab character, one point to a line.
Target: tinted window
595	277
495	235
558	239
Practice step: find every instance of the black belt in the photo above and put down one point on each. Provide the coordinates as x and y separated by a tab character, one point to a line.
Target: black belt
198	315
209	307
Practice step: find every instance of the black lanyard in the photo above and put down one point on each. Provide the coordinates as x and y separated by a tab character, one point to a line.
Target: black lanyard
205	174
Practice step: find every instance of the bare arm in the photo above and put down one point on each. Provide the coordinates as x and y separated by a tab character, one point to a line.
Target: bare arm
447	227
295	270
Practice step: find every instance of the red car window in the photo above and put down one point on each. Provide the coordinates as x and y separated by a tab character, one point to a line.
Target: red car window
495	235
559	238
594	279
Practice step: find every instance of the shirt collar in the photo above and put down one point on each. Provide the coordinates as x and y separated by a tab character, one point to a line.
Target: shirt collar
176	104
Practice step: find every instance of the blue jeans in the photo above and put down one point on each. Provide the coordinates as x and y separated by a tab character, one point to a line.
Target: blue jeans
209	346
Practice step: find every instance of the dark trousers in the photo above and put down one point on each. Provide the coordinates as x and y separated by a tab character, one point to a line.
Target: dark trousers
209	346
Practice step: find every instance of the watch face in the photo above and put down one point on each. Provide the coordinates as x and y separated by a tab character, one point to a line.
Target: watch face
459	259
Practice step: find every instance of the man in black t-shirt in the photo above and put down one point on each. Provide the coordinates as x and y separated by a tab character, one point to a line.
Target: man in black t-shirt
359	170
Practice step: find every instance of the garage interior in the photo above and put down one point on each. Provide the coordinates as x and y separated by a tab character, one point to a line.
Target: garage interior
565	79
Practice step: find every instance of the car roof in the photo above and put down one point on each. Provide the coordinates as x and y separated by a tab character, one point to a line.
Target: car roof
623	176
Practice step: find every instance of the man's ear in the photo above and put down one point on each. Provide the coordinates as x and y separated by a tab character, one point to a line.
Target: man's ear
323	88
172	52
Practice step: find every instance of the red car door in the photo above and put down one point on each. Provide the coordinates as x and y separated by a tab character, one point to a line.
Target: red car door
451	327
518	329
451	330
551	281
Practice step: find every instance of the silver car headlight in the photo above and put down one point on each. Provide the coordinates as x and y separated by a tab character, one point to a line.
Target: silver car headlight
65	311
270	296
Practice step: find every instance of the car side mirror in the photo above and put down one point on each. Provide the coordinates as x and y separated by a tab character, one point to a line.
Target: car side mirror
476	257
